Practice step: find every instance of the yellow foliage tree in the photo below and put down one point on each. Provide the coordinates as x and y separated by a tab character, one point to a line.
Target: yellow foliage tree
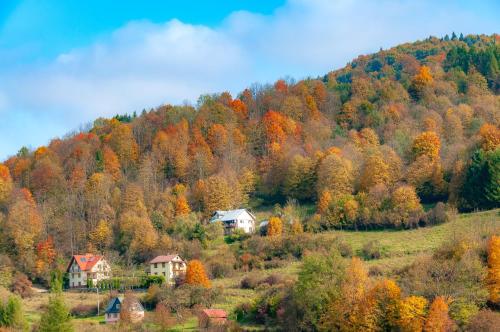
427	143
412	312
297	227
274	227
100	237
375	171
493	277
438	319
324	201
196	275
490	136
385	297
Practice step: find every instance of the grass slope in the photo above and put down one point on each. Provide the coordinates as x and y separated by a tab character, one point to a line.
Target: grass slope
399	249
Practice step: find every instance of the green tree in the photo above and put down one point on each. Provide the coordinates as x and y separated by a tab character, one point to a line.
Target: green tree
56	317
12	315
481	188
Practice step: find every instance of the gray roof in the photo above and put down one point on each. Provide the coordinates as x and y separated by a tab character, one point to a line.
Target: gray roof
229	215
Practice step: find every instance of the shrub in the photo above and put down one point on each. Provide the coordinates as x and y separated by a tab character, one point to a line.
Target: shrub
372	250
147	281
484	321
21	285
274	264
84	310
249	282
218	269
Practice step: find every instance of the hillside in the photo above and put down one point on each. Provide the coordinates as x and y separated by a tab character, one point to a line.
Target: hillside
373	160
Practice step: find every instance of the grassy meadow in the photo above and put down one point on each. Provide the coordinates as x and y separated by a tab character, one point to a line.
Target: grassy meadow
398	248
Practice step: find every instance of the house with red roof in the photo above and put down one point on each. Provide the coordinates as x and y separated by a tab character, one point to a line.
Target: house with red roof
169	266
85	268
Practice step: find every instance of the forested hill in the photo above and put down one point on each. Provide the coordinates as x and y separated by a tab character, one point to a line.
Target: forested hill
368	144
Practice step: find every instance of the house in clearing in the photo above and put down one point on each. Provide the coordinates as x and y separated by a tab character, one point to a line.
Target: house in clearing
169	266
209	319
114	309
83	269
235	219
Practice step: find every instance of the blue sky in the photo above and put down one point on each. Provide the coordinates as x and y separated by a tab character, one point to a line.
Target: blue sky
64	63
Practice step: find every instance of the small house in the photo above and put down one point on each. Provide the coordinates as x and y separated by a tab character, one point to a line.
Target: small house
114	309
85	269
210	318
235	219
168	266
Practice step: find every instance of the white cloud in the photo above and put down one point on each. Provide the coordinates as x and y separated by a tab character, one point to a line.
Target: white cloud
143	64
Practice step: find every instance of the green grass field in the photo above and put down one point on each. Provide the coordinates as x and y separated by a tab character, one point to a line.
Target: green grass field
399	248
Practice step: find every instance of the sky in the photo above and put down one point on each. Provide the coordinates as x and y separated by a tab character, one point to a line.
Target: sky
65	63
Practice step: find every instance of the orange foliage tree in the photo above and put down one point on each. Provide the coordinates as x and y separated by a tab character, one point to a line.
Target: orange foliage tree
196	275
111	163
5	183
493	277
182	206
45	257
438	319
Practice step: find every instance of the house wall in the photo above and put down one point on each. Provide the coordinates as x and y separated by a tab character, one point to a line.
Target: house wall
166	270
112	317
78	278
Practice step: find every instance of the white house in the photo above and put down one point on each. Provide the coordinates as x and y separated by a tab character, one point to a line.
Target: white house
169	266
87	267
235	219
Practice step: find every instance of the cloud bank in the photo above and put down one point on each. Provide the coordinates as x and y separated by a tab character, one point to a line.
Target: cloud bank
142	64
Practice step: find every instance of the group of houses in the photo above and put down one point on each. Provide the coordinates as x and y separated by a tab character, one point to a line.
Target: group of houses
88	270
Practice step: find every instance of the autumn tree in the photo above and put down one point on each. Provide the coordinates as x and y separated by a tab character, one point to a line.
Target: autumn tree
493	277
438	319
375	171
420	82
384	297
406	205
490	137
111	163
123	143
196	275
412	312
24	227
428	144
336	175
6	184
274	226
182	206
217	194
45	257
101	236
301	178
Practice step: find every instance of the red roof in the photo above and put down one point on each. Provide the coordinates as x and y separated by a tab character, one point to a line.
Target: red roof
163	259
215	313
85	262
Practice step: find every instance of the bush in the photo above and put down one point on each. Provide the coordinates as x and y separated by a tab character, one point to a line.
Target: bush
249	282
372	250
84	310
21	285
147	281
274	264
484	321
438	215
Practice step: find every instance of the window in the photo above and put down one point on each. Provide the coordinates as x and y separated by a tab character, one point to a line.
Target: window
118	306
79	275
164	274
156	265
162	264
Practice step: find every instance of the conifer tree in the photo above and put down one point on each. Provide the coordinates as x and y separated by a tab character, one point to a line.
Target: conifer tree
56	317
